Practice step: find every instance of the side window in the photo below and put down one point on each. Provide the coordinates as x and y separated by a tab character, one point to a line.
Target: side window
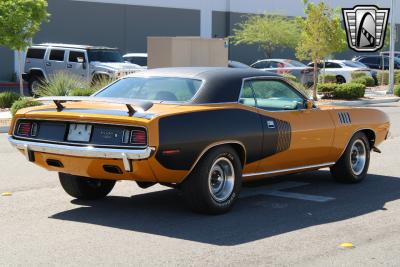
261	65
35	53
247	95
273	95
332	65
57	55
77	57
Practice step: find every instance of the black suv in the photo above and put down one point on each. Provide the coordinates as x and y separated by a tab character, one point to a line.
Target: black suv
377	62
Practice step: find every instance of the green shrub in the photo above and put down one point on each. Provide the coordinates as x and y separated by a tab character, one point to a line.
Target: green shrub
24	102
82	92
366	80
290	77
396	90
358	74
383	77
349	91
327	78
326	89
60	84
100	82
397	77
7	99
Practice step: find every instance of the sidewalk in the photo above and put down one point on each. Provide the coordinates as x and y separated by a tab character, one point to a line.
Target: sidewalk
371	97
5	119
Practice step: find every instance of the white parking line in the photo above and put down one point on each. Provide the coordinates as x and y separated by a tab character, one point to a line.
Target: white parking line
275	190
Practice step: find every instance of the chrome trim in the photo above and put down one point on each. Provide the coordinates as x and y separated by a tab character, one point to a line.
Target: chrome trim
317	166
86	151
227	142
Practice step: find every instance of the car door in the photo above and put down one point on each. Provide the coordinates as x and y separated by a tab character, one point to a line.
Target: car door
77	63
294	136
55	61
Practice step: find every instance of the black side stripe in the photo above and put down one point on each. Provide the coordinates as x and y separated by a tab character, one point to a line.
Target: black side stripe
284	135
344	118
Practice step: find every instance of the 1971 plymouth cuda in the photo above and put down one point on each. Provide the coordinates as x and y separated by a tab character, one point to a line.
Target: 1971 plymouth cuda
202	130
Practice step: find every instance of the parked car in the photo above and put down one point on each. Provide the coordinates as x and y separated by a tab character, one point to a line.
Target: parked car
377	62
137	58
387	53
88	62
237	64
342	69
302	72
374	73
200	130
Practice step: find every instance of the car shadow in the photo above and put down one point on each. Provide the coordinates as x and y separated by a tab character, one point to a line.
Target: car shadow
253	218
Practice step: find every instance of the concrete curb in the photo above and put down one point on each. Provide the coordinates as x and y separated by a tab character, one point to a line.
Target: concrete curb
363	102
5	120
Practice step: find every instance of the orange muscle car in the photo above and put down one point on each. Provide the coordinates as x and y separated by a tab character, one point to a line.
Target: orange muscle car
202	130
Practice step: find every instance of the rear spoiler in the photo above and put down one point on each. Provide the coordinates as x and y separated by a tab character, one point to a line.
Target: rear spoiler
133	106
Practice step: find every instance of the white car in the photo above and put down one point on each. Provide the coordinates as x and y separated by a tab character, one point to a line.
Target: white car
341	68
137	58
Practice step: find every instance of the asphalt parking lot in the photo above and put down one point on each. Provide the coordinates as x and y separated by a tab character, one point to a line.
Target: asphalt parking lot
293	220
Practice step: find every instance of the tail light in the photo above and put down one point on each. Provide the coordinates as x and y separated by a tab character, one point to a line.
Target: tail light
27	129
135	137
138	137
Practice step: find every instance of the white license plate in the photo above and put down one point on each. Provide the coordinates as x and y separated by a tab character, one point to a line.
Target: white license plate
79	132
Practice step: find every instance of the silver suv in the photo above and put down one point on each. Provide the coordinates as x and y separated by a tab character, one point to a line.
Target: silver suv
88	62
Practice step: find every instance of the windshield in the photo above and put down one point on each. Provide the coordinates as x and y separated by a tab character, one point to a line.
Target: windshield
105	56
153	89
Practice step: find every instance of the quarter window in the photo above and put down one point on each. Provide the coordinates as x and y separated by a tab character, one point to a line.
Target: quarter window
273	95
57	55
35	53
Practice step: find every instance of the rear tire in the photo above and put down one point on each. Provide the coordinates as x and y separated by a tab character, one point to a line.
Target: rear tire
352	167
215	183
85	188
340	79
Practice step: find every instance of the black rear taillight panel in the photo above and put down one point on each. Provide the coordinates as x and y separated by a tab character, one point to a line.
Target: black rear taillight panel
101	135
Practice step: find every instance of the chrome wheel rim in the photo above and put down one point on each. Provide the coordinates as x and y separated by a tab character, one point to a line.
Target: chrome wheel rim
358	157
221	179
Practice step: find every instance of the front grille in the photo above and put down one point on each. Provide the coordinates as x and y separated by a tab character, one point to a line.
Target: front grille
101	135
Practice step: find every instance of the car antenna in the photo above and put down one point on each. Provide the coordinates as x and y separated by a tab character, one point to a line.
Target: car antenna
60	107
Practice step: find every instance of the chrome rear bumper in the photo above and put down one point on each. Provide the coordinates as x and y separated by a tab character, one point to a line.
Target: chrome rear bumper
83	151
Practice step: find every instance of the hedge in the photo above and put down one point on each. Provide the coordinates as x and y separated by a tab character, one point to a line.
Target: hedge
7	99
358	74
328	78
383	77
349	91
82	92
24	102
327	89
396	90
366	80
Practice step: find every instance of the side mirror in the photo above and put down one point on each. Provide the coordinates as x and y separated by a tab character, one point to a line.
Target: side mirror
309	104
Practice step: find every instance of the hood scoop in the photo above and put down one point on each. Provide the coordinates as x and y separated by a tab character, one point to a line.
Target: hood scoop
133	106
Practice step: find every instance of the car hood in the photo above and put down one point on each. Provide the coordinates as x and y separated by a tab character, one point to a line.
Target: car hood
115	65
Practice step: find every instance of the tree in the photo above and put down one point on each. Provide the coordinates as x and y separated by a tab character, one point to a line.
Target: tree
267	31
321	35
20	20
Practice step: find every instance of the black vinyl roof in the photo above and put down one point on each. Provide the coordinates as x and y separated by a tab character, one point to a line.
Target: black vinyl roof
219	84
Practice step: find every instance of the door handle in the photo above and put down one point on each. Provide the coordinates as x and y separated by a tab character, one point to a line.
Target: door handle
69	66
48	64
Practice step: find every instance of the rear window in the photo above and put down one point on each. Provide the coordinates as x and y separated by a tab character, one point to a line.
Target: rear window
153	89
35	53
57	55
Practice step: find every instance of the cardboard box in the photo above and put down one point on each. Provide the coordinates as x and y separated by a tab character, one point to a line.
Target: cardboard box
186	52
